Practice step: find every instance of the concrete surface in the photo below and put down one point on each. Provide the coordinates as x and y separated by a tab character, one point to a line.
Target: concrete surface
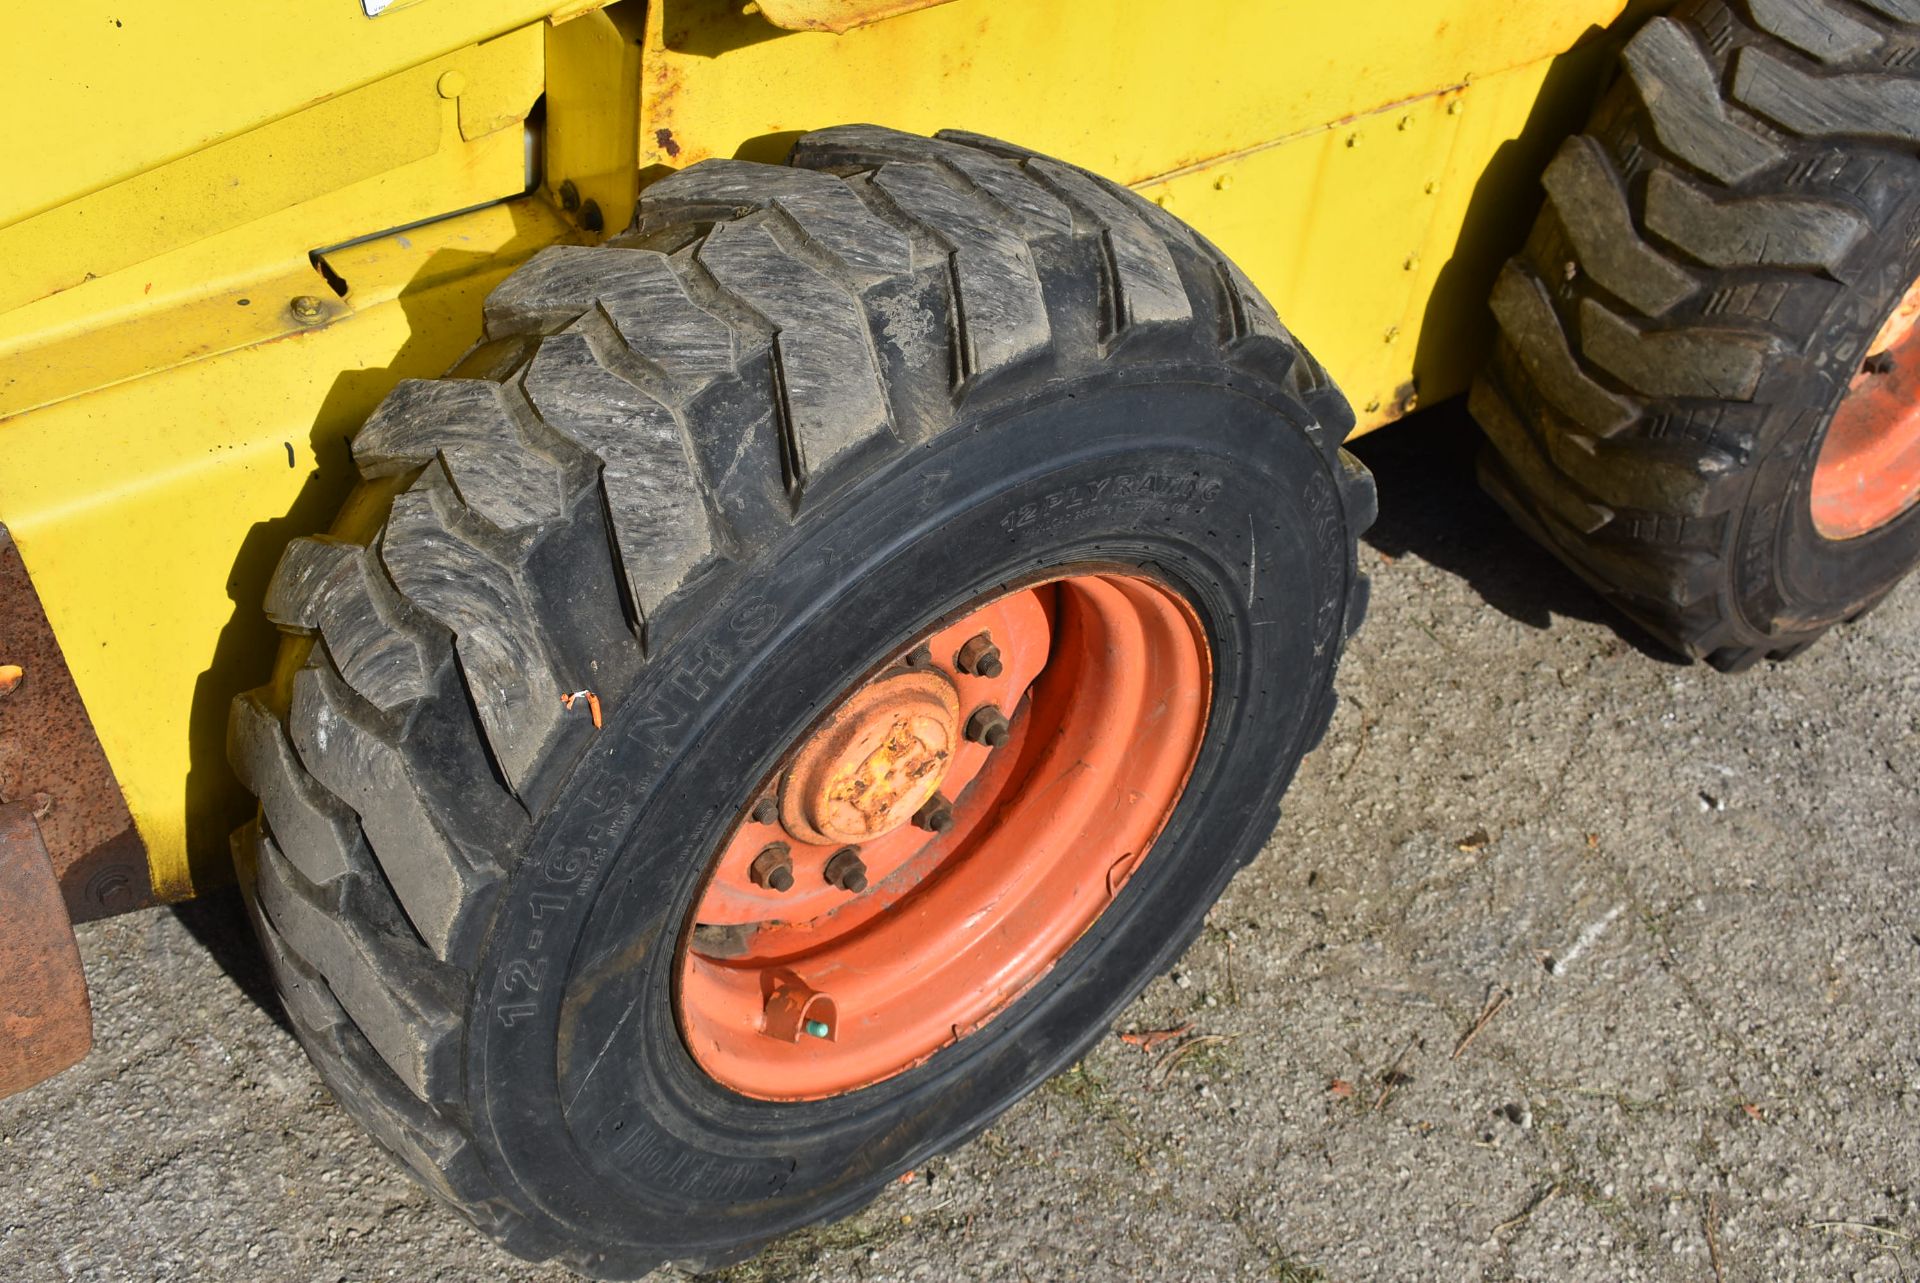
1699	893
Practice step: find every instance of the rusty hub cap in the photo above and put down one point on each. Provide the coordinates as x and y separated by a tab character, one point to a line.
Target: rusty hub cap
1868	471
878	759
949	828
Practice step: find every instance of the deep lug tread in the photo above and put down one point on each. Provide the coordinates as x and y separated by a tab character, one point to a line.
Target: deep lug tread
1750	139
337	589
1721	365
831	399
1592	206
821	208
414	1026
1143	286
1777	231
317	826
509	673
647	477
437	881
999	313
465	424
1527	317
849	148
1817	106
1816	28
1678	89
641	293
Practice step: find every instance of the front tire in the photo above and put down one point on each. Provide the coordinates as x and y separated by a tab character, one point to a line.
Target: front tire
713	474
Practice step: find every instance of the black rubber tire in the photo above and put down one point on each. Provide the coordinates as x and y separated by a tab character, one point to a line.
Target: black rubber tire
1716	253
713	473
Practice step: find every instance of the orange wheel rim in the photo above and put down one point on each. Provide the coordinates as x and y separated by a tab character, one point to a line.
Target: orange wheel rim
943	835
1868	471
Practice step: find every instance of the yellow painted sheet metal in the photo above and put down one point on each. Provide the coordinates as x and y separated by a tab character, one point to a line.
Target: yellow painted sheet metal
152	512
381	129
833	15
591	62
95	92
1369	164
1377	238
1131	88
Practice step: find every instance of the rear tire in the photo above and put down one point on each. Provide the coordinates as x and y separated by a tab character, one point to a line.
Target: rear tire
1717	254
713	473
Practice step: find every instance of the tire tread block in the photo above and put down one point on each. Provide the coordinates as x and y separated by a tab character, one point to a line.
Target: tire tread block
337	589
464	423
1528	320
318	830
436	881
648	478
831	398
822	209
1682	99
1755	231
1827	106
1000	314
508	670
1592	207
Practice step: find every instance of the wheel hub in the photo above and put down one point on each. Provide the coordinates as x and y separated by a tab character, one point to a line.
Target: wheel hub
877	761
943	835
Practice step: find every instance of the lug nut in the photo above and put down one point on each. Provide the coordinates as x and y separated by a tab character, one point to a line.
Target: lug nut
847	871
920	656
765	811
988	726
773	868
979	657
936	815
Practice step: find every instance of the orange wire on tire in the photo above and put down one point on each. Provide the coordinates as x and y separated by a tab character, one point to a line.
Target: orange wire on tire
943	836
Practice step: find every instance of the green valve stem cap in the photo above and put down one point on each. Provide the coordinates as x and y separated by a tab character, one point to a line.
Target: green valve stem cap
818	1028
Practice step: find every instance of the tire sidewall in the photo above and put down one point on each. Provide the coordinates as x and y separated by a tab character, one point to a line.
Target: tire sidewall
580	1087
1789	578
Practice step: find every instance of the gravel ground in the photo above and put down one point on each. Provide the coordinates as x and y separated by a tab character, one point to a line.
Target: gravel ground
1566	963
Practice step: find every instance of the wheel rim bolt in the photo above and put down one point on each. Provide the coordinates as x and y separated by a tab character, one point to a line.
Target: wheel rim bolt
773	868
847	871
936	816
979	656
988	726
920	656
765	811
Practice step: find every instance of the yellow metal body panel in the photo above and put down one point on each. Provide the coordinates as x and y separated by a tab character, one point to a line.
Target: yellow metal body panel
833	15
182	357
112	90
1301	138
176	393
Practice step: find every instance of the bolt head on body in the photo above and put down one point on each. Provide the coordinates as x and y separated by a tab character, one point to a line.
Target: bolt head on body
979	656
847	871
773	868
988	726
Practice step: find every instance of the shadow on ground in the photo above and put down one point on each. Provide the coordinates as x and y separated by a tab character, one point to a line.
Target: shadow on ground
218	922
1431	507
